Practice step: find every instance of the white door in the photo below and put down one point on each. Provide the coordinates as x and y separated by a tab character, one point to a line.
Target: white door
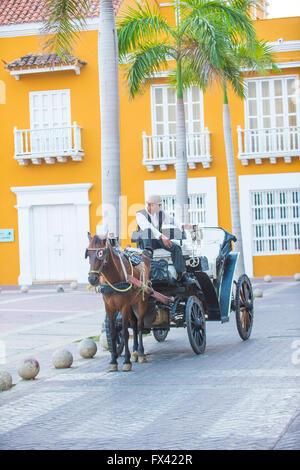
54	243
271	114
50	121
164	120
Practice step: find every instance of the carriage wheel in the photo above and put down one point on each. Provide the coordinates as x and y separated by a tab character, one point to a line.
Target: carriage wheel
195	322
244	306
120	340
160	334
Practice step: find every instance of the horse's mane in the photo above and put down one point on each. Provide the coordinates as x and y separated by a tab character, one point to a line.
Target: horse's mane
96	239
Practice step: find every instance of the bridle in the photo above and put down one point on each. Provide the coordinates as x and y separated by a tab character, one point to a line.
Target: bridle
101	254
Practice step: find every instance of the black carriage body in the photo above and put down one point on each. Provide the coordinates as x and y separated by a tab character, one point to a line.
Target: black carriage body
209	298
215	293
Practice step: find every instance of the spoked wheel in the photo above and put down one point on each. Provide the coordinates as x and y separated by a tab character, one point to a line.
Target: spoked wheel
195	322
160	335
244	306
120	340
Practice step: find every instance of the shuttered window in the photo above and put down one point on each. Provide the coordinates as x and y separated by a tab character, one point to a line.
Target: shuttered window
197	208
276	221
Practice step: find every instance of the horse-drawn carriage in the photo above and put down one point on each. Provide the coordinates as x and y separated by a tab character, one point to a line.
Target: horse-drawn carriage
212	295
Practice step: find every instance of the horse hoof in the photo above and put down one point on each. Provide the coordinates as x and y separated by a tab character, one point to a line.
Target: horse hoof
127	367
113	367
134	356
142	359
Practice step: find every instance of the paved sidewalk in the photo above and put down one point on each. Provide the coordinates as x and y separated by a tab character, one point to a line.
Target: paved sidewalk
36	323
237	395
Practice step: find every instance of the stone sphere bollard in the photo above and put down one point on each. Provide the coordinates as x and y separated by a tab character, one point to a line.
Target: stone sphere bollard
28	369
257	293
62	359
74	285
268	278
60	288
5	381
297	277
24	289
87	348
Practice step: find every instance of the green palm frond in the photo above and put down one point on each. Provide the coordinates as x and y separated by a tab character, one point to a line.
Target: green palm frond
256	56
234	14
150	58
209	69
139	25
65	19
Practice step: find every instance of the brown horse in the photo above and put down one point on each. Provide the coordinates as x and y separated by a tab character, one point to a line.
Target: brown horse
113	267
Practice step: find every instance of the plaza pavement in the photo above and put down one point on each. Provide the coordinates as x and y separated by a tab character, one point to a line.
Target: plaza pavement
37	323
236	395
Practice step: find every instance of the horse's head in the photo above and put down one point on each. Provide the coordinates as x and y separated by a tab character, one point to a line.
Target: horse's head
98	253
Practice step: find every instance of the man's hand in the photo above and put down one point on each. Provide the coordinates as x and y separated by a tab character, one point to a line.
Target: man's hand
166	241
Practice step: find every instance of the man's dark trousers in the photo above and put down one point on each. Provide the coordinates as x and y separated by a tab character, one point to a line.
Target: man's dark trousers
175	250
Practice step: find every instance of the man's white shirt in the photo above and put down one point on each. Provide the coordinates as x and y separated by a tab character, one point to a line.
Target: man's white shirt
144	223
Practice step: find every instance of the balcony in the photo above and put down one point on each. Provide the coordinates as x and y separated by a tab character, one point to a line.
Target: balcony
161	150
271	144
51	145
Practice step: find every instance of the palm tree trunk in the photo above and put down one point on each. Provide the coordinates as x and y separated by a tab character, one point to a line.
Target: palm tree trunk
234	202
181	158
109	112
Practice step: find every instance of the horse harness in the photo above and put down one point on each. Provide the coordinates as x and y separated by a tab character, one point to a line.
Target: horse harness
108	288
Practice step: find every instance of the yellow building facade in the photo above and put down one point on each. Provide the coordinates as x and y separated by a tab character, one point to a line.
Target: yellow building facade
50	167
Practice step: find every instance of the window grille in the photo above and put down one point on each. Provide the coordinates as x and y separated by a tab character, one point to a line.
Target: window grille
276	221
197	209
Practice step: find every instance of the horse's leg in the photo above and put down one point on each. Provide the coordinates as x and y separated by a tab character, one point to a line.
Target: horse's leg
113	365
133	323
127	364
142	306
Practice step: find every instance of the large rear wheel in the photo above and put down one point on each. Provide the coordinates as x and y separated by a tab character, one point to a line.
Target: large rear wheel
195	322
244	306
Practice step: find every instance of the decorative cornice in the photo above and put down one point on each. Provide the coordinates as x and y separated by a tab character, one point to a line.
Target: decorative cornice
284	46
61	68
56	187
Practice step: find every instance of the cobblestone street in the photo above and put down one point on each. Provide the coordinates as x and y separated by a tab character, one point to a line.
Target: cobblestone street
237	395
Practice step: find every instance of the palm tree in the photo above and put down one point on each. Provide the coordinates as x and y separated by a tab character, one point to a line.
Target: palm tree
65	20
147	42
256	57
231	54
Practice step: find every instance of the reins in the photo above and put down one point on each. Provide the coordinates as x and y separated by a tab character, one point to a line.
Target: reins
130	283
99	272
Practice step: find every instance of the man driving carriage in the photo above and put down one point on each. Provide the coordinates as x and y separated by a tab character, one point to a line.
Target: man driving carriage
150	221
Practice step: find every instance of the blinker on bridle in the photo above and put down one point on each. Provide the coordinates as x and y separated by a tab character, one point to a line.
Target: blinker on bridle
100	255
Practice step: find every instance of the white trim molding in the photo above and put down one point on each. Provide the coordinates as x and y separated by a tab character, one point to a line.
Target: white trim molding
31	196
59	68
206	186
248	183
284	46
